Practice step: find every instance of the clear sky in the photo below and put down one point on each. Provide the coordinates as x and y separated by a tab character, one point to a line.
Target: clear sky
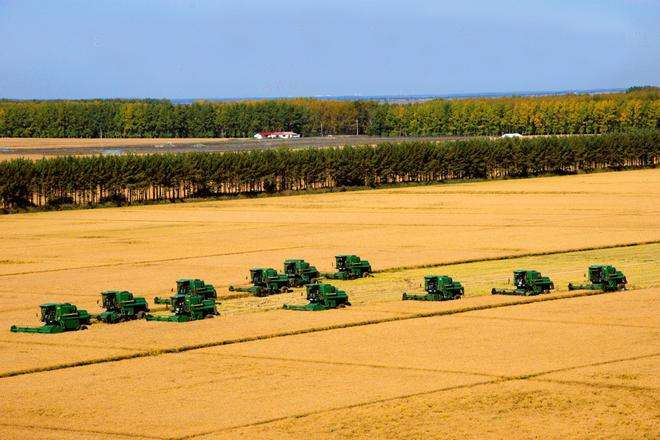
244	48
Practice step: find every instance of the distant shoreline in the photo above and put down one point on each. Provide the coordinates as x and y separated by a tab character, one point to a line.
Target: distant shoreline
394	98
413	97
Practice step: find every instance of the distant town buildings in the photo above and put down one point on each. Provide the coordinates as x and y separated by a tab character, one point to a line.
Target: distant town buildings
276	135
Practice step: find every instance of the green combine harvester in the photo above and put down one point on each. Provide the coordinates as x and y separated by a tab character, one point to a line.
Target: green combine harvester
186	307
188	286
349	267
322	297
58	318
527	282
265	281
602	277
122	306
438	288
300	272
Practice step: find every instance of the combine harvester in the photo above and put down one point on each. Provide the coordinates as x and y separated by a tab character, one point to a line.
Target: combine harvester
188	286
438	288
58	318
300	273
265	281
602	277
527	282
322	297
349	267
122	306
186	308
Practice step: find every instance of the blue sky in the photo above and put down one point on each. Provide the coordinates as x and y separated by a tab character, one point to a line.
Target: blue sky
227	48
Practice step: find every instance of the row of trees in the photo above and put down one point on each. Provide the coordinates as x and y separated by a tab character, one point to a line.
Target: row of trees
135	179
565	114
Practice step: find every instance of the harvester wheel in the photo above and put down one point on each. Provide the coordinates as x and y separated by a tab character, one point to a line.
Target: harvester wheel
457	296
83	327
209	316
284	289
365	274
140	315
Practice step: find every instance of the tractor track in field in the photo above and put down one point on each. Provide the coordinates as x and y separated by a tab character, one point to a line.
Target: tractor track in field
192	347
148	262
82	431
352	364
611	386
522	255
530	377
560	321
388	270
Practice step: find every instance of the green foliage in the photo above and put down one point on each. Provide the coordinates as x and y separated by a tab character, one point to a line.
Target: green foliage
639	108
136	179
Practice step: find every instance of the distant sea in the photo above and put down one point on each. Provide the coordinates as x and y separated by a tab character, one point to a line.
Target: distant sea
410	98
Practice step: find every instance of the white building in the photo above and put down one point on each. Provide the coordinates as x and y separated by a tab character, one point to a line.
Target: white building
276	135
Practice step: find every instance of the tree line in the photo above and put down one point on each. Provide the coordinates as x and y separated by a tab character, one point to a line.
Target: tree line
91	180
565	114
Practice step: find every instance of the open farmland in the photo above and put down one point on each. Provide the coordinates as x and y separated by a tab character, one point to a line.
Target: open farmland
481	365
37	148
454	373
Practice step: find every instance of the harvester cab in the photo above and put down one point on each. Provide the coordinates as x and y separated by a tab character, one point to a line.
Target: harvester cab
179	303
259	275
438	288
349	267
122	306
187	307
265	281
322	297
300	272
602	277
527	282
58	318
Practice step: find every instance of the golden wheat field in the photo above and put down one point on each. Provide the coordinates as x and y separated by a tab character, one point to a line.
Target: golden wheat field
566	364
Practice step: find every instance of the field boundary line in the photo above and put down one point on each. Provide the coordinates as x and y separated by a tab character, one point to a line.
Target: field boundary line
422	393
186	348
351	406
66	344
550	321
613	386
147	262
514	256
595	364
388	270
81	431
352	364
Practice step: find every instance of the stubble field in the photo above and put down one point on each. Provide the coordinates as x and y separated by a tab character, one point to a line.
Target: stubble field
476	367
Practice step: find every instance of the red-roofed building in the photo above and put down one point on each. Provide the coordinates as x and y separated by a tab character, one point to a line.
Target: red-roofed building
276	135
